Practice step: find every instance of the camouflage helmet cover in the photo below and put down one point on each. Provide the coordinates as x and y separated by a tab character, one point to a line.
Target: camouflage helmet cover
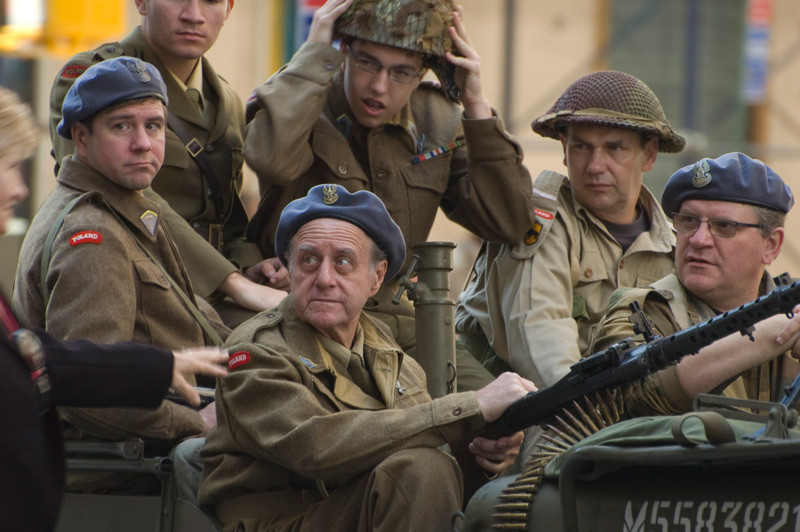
419	26
414	25
612	99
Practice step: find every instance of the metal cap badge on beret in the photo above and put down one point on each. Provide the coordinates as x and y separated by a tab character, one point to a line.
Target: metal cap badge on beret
362	209
612	99
733	177
109	83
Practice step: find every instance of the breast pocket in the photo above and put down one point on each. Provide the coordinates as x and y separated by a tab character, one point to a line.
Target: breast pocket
424	185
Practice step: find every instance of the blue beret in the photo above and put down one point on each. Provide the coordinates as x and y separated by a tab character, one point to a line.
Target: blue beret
109	83
733	177
362	209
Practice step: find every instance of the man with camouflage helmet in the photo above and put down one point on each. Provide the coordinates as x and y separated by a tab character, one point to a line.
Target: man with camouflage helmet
532	306
360	116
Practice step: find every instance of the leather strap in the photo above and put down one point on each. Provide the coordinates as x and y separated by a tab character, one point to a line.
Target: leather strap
197	152
717	428
44	266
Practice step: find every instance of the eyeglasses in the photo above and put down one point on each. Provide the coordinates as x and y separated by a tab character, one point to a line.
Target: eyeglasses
396	74
688	223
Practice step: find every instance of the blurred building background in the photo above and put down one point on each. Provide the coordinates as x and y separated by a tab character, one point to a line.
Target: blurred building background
726	71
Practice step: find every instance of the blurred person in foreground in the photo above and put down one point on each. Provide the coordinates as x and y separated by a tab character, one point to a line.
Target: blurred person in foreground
38	372
323	422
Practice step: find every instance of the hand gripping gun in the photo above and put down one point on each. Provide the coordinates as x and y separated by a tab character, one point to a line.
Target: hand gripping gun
625	362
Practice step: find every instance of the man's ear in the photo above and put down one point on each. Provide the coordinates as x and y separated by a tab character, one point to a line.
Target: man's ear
141	8
79	133
773	245
563	139
380	273
650	154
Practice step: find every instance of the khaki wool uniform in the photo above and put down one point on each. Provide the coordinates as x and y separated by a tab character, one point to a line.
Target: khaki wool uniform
107	290
290	420
301	133
673	309
180	182
538	302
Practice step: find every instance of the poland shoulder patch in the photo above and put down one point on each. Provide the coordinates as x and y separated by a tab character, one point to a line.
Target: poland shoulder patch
85	237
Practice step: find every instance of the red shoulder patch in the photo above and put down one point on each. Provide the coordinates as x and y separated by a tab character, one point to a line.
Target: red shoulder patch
72	72
85	237
237	359
544	214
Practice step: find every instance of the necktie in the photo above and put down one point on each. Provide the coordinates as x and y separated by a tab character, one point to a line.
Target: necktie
362	377
194	97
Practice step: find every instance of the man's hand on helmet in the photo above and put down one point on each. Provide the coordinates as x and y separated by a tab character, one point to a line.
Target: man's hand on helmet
468	71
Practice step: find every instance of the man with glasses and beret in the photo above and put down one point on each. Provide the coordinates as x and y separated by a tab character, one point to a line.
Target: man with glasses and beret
729	214
361	116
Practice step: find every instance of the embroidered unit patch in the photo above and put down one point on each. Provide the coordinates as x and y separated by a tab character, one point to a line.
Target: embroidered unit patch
237	359
85	237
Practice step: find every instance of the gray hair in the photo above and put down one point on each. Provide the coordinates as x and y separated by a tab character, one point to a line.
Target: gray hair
768	219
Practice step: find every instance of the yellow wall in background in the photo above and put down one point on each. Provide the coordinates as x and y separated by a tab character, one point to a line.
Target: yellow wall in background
72	26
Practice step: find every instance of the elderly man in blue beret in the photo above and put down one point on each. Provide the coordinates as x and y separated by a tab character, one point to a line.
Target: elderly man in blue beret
323	423
729	214
99	263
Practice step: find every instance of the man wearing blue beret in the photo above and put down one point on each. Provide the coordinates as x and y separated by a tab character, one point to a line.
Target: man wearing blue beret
323	423
98	262
729	214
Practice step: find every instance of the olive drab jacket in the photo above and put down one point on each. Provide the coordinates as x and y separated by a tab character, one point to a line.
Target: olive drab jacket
538	301
673	309
104	288
180	182
289	414
301	133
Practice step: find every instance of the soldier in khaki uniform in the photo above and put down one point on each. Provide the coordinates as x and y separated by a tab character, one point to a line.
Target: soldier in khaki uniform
173	37
533	305
729	214
323	423
106	268
360	116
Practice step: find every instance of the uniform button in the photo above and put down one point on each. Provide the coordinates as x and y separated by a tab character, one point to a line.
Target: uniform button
589	273
271	315
342	168
380	174
210	148
621	264
457	412
210	192
195	224
110	50
329	66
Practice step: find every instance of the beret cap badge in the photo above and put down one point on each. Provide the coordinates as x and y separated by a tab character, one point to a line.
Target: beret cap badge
701	176
329	195
139	71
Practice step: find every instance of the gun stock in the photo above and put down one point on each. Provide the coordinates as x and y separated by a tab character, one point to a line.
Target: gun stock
624	362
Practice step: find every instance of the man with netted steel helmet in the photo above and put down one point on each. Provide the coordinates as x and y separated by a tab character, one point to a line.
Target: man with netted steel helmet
360	116
532	305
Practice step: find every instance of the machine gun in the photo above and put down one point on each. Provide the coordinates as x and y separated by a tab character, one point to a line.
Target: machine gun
625	362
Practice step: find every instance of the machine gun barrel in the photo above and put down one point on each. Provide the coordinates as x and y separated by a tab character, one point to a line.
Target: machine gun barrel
624	362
